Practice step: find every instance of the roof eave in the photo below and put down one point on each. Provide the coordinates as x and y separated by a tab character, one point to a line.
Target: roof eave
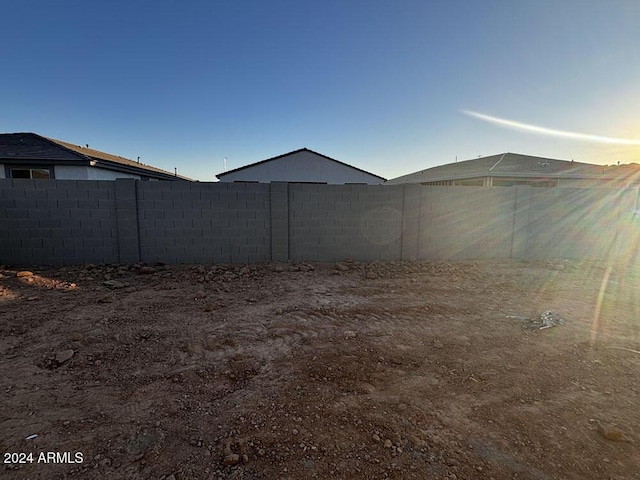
119	167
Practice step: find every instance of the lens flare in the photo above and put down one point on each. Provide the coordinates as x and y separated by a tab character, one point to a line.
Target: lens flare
585	137
596	313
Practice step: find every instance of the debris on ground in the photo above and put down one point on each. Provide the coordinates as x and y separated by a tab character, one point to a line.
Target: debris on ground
547	319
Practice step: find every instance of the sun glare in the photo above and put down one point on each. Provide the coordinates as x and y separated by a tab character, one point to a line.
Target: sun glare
585	137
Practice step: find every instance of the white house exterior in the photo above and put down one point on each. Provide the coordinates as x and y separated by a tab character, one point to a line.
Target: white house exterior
301	166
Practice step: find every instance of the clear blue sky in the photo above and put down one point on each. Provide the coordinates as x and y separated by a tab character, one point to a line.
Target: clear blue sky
377	84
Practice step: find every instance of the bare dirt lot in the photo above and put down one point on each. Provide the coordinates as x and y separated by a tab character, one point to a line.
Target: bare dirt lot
353	371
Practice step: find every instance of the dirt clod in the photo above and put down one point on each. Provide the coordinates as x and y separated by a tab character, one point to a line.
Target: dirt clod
231	460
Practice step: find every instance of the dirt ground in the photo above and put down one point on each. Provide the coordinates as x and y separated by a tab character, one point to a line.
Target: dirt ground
294	371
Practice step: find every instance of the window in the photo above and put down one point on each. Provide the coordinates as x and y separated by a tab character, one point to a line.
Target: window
26	172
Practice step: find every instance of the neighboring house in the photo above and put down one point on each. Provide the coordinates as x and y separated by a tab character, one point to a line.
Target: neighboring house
301	166
509	169
29	155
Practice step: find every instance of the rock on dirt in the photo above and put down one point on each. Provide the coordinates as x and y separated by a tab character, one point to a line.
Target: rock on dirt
371	275
115	284
64	356
610	432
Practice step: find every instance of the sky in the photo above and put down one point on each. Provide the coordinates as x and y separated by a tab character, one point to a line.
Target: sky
391	87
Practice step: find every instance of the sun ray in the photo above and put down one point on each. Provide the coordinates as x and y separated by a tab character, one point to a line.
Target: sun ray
586	137
596	313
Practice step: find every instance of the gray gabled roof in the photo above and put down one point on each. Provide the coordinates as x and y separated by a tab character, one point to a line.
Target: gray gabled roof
31	147
514	165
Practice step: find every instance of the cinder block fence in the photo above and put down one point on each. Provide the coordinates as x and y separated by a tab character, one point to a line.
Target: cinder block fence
127	221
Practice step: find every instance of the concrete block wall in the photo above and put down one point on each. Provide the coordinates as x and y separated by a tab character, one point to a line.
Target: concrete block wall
519	230
181	222
57	222
333	222
582	223
125	221
411	222
279	221
462	223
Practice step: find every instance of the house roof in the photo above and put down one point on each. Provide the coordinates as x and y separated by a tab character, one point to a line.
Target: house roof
219	175
27	146
517	165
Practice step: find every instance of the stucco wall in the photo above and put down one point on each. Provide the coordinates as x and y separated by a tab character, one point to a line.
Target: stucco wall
72	172
102	174
302	167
